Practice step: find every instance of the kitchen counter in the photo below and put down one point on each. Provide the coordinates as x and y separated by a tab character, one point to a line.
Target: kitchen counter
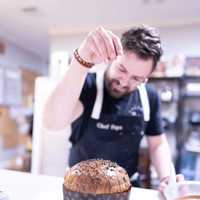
23	186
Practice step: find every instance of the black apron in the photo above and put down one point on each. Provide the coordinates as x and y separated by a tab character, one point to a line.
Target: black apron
112	137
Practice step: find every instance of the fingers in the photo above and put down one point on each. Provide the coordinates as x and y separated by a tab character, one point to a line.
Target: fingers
165	181
98	45
180	177
94	47
105	44
108	42
117	43
162	186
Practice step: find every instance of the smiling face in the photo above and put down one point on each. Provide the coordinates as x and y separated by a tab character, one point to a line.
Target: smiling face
126	73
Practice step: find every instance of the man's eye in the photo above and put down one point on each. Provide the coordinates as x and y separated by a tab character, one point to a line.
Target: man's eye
135	78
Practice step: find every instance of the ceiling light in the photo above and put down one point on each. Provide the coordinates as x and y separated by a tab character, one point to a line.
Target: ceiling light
30	9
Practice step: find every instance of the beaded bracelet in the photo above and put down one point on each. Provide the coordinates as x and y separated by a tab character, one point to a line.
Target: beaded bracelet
81	60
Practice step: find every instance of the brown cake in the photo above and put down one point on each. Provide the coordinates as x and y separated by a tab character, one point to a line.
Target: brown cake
98	180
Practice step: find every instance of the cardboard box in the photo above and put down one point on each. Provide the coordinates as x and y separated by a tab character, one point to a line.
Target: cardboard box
8	129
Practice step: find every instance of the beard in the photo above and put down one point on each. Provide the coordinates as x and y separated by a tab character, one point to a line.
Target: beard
114	89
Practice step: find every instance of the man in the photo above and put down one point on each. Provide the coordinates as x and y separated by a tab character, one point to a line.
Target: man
111	110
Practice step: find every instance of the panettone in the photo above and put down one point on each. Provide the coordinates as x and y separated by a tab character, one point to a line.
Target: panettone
96	179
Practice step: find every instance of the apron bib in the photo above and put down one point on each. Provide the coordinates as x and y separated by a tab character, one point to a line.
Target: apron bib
112	137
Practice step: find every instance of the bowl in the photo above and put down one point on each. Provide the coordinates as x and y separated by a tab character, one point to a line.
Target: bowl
184	190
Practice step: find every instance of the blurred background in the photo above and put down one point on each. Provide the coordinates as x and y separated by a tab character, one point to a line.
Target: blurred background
37	40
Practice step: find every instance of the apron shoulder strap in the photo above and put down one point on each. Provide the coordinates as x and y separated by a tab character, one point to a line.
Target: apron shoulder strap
145	101
99	97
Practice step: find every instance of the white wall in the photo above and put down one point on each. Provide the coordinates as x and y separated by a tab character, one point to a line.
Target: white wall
50	148
179	39
15	56
183	39
66	43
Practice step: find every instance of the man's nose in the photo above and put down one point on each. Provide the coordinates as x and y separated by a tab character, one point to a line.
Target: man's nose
124	82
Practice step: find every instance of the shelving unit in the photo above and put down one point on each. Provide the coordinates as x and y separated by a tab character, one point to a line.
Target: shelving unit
178	109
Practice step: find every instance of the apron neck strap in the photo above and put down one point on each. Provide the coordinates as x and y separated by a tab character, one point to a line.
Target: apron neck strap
145	101
99	97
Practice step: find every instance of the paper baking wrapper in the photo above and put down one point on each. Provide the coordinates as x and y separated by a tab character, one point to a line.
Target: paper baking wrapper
70	195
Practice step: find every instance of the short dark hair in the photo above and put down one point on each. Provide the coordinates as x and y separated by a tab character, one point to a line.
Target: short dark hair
144	41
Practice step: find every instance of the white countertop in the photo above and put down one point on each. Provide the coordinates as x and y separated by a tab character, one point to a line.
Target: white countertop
23	186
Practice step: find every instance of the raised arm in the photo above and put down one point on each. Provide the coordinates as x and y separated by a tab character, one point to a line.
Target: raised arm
63	105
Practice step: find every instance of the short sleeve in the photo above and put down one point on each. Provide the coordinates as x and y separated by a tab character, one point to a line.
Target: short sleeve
87	98
154	126
88	92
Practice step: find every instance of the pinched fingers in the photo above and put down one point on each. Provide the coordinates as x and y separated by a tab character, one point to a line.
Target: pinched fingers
100	45
117	43
165	181
106	44
163	184
180	177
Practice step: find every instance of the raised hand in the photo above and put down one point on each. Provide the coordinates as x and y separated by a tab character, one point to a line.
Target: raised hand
100	46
